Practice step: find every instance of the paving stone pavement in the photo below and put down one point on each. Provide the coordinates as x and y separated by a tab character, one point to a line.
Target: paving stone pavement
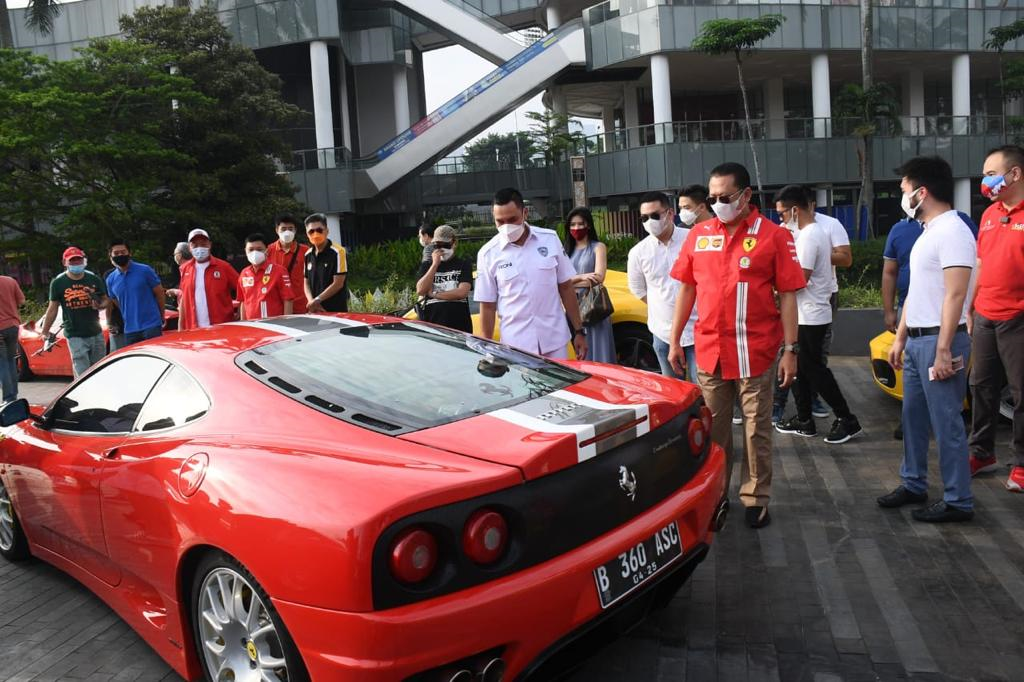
834	589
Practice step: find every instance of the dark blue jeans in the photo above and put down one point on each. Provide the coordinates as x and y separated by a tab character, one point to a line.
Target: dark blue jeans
934	407
9	363
135	337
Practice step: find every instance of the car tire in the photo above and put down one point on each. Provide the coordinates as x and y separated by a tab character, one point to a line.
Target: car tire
13	543
24	371
634	347
238	650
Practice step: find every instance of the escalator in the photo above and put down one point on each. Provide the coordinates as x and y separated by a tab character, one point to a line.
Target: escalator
496	94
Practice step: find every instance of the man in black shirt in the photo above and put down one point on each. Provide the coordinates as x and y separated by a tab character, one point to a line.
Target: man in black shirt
445	282
326	269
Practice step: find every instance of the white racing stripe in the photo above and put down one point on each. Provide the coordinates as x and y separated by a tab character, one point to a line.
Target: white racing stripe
299	325
582	431
641	409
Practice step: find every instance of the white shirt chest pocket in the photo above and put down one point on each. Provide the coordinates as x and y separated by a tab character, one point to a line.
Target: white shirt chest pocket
547	272
509	280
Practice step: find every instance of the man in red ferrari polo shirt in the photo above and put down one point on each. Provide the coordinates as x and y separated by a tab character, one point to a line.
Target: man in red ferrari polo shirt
207	286
996	317
264	288
732	265
290	255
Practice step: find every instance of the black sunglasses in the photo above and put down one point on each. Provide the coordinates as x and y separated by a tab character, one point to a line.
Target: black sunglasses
442	245
723	199
314	230
652	216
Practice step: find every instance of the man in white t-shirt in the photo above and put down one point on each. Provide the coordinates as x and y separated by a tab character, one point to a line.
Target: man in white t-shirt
647	270
933	334
814	250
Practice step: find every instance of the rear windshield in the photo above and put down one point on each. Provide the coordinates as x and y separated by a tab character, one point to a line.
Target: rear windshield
402	376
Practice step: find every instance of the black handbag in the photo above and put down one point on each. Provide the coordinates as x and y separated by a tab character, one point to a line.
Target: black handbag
595	304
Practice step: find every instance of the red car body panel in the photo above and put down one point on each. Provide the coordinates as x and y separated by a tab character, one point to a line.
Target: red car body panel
300	498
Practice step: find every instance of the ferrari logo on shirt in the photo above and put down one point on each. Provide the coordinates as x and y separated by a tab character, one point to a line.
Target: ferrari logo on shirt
749	243
709	244
266	279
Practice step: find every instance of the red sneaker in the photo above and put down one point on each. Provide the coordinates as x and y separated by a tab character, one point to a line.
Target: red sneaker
982	466
1015	483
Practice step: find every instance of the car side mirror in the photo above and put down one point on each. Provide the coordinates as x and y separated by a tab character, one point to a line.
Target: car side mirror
14	412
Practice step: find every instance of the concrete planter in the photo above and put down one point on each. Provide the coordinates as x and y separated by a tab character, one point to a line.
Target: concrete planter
853	328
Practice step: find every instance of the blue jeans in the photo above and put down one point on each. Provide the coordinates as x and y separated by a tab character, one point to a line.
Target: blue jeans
934	407
135	337
85	351
9	363
661	350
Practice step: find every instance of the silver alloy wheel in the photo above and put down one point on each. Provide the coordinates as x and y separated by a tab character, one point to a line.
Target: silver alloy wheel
7	529
239	640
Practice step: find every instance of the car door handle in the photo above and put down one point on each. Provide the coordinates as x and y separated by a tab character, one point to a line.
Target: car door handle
112	453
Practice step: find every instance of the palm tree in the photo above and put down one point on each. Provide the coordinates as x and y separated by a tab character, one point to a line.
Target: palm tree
39	16
738	37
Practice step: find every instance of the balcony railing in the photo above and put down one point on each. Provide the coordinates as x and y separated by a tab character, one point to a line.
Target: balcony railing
612	9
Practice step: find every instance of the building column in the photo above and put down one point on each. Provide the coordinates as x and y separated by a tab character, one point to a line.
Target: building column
346	124
661	94
631	112
913	102
400	92
608	123
961	124
821	197
554	17
775	108
323	117
334	227
821	96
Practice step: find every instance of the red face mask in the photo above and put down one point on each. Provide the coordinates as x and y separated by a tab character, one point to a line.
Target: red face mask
578	232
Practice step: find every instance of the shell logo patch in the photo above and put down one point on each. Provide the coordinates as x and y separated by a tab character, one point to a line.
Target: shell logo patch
247	281
745	262
703	242
709	244
749	243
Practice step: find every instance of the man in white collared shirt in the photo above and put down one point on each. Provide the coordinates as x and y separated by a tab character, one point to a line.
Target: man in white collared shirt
647	269
525	277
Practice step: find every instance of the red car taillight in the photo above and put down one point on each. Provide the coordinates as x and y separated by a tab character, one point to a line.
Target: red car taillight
413	556
697	434
485	536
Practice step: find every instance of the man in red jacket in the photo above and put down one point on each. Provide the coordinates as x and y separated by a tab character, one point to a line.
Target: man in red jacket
290	255
207	286
264	288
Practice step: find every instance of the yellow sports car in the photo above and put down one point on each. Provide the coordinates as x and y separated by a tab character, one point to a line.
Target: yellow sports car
633	346
891	380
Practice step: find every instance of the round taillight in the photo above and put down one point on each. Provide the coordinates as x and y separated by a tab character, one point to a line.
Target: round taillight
485	536
705	417
413	555
697	436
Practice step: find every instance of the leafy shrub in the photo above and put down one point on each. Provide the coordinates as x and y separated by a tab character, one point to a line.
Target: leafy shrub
391	299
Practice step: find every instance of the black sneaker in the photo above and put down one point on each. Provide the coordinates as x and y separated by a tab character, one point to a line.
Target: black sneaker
940	512
758	517
793	425
843	430
899	497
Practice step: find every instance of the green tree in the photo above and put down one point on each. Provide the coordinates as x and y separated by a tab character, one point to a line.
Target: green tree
738	37
501	151
1010	83
39	16
553	135
868	112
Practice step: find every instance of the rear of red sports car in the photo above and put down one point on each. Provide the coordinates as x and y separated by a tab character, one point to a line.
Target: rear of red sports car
619	494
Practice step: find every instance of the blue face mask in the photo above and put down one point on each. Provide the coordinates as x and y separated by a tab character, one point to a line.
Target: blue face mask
76	269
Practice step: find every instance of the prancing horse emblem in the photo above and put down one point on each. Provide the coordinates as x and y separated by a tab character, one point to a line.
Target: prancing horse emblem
627	481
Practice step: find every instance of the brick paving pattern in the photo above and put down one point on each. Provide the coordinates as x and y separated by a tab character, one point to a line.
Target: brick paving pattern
835	589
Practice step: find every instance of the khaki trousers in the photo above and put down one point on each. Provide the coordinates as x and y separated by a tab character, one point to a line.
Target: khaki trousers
755	396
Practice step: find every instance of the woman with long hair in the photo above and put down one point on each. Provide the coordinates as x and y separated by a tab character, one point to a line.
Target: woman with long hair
589	256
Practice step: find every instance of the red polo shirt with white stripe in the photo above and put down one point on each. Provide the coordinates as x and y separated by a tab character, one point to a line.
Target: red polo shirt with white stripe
738	322
1000	284
264	290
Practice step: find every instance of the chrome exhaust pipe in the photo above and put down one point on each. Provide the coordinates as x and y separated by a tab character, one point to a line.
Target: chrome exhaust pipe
718	521
461	676
494	671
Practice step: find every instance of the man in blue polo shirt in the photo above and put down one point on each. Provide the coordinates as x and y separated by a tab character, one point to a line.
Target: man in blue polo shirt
138	294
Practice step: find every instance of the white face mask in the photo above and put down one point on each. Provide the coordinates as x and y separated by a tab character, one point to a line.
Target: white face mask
793	222
687	216
200	253
511	232
654	227
905	203
287	236
256	257
446	254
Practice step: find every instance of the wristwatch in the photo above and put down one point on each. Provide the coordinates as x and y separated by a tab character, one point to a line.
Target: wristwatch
577	332
792	348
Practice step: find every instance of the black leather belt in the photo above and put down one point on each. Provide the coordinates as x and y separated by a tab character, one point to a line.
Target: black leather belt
930	331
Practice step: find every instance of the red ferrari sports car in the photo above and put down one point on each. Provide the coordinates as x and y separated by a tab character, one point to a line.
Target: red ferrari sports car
363	498
35	357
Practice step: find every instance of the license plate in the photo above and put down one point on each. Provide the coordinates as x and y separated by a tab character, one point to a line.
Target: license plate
628	571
